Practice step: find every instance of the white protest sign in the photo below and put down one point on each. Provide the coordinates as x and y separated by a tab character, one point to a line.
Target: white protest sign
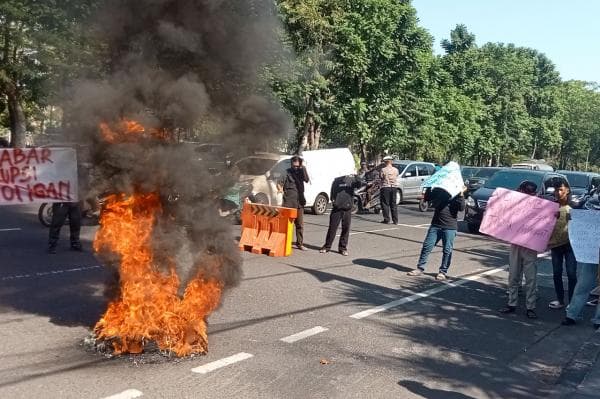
584	234
33	175
447	178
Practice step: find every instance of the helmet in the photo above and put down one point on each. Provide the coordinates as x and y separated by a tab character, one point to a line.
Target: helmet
388	158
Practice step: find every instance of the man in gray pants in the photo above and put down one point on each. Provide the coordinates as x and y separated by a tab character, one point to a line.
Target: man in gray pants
522	261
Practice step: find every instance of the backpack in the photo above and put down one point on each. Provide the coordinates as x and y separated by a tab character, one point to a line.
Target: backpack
343	201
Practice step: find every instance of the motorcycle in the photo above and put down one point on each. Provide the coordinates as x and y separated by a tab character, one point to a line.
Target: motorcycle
593	201
91	213
366	198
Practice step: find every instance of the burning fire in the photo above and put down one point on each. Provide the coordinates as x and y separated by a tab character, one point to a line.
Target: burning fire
129	131
149	308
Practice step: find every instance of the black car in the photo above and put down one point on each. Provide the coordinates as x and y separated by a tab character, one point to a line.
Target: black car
479	178
509	179
468	172
582	184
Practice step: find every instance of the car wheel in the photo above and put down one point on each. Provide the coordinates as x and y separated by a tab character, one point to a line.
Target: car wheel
261	198
399	197
423	205
45	214
320	205
473	228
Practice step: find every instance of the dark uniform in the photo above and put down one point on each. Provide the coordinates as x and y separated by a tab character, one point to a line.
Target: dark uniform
60	211
293	197
342	193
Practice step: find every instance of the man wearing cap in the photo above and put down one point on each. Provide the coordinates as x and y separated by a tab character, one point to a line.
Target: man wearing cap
389	190
292	185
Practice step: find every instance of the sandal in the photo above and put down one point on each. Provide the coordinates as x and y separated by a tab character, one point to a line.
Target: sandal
508	309
531	314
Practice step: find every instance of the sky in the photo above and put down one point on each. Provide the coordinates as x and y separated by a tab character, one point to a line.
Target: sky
567	31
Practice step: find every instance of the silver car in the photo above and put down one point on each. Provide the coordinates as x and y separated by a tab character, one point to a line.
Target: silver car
411	174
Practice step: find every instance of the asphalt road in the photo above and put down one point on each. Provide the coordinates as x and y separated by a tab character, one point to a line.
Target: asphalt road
307	326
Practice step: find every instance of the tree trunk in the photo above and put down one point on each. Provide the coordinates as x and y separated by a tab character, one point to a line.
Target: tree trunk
17	120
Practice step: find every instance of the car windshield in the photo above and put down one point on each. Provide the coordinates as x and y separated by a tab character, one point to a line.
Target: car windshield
468	172
486	172
255	166
400	166
577	180
511	179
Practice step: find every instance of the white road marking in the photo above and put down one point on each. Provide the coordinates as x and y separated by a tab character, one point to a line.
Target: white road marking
207	368
48	273
128	394
419	226
13	229
304	334
424	294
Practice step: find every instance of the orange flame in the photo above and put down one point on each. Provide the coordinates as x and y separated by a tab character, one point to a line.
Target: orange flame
148	307
130	131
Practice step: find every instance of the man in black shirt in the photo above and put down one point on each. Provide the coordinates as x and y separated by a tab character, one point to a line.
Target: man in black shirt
342	196
292	186
443	227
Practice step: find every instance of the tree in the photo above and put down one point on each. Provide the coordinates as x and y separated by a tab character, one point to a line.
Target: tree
37	42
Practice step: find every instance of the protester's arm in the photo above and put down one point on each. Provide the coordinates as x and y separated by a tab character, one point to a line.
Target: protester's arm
305	175
461	201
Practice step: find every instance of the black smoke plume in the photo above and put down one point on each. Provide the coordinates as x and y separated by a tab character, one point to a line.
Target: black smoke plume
177	66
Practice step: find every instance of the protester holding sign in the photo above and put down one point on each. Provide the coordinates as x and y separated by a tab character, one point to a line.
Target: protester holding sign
561	248
584	235
522	261
444	225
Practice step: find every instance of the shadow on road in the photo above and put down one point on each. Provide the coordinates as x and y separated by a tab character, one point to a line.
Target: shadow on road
419	388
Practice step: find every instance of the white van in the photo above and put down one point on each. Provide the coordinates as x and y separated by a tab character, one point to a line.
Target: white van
323	166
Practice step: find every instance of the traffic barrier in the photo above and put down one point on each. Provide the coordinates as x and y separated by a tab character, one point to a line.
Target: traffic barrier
267	229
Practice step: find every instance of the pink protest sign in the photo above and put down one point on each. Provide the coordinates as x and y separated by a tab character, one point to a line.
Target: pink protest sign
520	219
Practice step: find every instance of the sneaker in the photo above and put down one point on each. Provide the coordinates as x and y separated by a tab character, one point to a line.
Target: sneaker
301	247
568	322
384	222
440	277
416	272
593	302
344	252
556	305
324	250
508	309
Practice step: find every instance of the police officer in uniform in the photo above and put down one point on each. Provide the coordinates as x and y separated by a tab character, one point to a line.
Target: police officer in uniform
389	191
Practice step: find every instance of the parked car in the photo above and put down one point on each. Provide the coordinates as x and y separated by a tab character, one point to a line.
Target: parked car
582	184
323	166
509	179
533	165
411	174
479	178
468	171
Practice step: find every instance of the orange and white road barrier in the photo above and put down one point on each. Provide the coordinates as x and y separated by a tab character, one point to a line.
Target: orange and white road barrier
267	229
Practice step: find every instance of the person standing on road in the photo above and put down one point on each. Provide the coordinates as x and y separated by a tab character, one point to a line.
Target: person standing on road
389	191
342	194
560	247
60	211
292	186
444	225
522	261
